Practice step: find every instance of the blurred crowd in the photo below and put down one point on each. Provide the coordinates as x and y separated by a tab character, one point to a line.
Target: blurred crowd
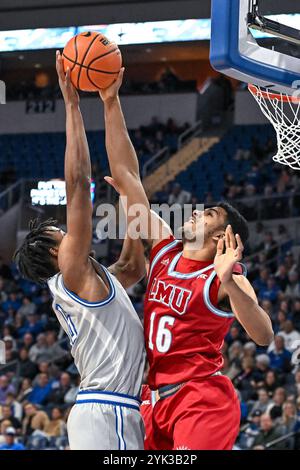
39	383
266	191
43	86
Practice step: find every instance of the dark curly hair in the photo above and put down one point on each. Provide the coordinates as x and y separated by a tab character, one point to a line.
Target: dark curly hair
33	257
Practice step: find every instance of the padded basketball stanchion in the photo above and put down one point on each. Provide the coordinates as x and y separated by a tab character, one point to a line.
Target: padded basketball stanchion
283	111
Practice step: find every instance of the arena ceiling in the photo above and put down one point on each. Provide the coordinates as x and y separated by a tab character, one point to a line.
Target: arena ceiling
17	14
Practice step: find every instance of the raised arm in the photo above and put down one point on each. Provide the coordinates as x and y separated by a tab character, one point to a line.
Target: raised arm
125	168
239	291
73	256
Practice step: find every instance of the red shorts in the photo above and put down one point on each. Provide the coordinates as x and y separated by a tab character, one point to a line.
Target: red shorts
203	414
147	413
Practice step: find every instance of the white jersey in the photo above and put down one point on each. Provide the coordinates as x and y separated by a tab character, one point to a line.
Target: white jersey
106	337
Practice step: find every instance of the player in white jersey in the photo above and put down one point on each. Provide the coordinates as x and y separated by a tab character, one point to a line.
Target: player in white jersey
91	304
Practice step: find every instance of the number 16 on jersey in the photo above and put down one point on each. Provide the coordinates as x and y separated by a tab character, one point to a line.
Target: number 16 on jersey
163	338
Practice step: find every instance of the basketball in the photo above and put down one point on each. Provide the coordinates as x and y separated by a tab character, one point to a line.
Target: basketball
94	61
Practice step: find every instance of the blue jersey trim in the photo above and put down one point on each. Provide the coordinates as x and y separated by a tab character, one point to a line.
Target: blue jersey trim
119	440
107	402
122	395
177	274
85	303
207	300
122	428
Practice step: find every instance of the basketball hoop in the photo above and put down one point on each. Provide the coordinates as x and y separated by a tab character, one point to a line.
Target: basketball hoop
283	111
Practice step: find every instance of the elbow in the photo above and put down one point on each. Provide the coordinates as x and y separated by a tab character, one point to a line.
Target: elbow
122	175
266	338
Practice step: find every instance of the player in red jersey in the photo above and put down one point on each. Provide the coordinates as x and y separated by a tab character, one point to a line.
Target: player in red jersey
192	298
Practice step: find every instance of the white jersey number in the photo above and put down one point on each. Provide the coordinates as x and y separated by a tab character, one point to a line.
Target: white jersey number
163	339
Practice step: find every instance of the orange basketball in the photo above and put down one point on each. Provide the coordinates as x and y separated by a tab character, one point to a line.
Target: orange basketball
94	61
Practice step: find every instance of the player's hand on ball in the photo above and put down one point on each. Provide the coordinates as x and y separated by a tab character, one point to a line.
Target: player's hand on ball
224	262
69	92
112	91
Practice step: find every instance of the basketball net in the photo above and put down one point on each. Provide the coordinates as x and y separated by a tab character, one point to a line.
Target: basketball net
283	111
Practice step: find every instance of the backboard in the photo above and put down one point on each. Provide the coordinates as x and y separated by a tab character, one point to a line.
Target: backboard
237	51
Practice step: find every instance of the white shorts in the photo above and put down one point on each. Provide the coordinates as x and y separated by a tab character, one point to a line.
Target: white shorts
105	421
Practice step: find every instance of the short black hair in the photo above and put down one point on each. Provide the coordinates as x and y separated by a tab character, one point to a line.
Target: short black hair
33	257
236	220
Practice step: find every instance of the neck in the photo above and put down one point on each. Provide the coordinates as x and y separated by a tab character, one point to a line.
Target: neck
204	254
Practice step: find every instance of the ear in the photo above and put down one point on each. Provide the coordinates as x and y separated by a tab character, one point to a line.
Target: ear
217	236
54	251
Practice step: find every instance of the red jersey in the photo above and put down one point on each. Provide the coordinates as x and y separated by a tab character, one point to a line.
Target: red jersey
184	328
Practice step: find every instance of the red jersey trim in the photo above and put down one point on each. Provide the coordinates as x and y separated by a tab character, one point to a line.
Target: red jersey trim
160	250
160	245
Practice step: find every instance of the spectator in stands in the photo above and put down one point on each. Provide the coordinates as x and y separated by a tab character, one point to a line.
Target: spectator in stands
234	335
162	197
269	246
250	431
27	307
25	390
287	423
279	356
32	325
41	391
34	420
56	426
235	355
249	203
290	262
258	236
296	313
294	388
249	349
12	302
10	345
27	367
268	433
271	382
44	303
245	381
5	388
281	277
55	351
28	341
15	406
262	403
283	237
289	334
261	283
39	351
57	396
179	196
279	398
293	288
6	414
262	367
271	292
10	443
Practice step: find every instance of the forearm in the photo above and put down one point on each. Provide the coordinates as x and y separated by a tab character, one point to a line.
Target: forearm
77	158
251	316
121	153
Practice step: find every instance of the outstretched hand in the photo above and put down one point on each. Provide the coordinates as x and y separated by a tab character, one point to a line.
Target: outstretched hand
112	91
224	262
68	90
